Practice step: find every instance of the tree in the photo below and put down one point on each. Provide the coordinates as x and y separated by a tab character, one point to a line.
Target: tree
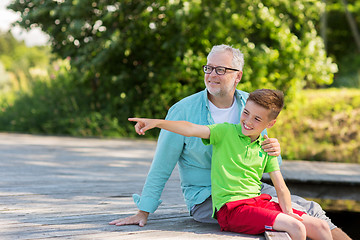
352	24
139	57
343	19
342	40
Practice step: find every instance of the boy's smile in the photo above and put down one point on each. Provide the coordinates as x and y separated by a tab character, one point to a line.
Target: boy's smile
254	119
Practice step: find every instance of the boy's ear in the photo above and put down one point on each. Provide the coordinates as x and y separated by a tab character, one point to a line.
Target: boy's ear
271	123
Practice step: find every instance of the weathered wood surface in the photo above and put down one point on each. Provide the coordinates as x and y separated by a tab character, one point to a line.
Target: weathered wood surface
70	188
322	179
277	236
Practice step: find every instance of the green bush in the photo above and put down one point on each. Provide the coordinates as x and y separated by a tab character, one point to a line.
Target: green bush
56	106
321	125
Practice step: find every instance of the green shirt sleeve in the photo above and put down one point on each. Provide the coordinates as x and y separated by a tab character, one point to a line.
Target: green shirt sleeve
272	164
215	134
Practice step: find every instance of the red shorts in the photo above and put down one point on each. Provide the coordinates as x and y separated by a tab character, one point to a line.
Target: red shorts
251	216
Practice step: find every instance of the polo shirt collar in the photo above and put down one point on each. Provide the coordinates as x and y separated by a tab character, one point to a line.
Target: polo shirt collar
205	98
259	140
238	96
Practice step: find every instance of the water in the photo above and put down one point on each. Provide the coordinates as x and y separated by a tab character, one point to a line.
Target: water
349	222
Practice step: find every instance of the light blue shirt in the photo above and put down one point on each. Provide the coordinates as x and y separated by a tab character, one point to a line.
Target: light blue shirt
191	155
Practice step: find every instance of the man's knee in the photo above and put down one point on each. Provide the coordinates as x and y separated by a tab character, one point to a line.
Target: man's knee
338	234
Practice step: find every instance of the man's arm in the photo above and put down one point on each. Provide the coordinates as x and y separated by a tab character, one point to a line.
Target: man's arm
168	151
163	163
184	128
283	193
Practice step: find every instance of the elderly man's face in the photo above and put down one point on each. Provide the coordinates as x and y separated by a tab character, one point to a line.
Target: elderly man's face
221	85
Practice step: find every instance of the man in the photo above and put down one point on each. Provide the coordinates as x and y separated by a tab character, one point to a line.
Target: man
219	102
237	165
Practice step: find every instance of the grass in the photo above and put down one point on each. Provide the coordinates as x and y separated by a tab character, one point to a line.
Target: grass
321	125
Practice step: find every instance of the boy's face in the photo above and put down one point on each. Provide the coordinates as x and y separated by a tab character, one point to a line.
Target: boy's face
254	119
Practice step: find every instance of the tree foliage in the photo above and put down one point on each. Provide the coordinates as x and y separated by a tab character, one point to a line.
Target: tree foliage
139	57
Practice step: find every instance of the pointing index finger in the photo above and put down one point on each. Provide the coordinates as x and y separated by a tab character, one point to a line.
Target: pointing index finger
134	119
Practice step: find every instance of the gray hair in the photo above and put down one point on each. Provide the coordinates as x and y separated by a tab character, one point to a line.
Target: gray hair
238	57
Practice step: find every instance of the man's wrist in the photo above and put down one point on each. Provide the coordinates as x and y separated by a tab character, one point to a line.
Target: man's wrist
144	213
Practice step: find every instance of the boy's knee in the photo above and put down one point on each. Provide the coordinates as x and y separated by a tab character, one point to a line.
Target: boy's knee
297	230
300	228
323	226
292	226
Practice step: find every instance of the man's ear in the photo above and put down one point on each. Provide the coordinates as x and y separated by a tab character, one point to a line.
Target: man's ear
271	123
239	76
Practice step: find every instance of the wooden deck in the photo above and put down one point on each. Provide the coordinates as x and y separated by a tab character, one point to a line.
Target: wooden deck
70	188
325	180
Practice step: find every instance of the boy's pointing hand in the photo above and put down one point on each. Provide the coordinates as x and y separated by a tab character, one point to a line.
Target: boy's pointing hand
143	124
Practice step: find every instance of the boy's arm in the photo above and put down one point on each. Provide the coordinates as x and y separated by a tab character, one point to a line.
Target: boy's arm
283	194
184	128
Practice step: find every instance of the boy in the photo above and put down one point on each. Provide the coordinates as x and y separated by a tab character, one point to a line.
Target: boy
238	163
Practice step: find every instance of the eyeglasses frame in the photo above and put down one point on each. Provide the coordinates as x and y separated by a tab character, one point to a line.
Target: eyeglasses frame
226	68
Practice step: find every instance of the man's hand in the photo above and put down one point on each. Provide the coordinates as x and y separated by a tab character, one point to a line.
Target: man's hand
271	146
138	219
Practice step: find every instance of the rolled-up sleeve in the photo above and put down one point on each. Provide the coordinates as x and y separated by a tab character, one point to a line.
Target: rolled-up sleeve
168	151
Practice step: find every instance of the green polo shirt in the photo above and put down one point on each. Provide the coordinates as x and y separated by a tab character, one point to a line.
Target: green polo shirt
237	164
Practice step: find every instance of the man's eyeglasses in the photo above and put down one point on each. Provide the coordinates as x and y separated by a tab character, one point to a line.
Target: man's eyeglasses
219	70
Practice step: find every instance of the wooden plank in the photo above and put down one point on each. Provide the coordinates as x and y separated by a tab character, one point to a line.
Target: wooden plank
321	179
70	188
277	235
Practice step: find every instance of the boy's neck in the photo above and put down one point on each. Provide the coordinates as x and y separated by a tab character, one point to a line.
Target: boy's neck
252	139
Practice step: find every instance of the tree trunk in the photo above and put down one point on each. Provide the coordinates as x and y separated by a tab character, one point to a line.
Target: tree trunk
353	25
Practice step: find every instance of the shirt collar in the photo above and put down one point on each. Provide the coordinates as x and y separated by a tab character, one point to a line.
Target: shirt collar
237	94
238	97
205	98
259	140
239	100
